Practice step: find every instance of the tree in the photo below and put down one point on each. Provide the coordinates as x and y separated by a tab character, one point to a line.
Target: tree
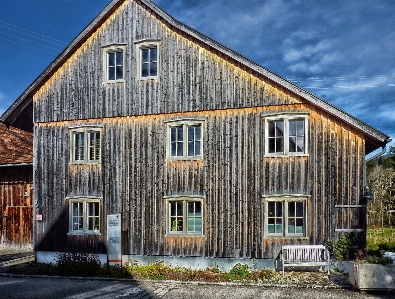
381	181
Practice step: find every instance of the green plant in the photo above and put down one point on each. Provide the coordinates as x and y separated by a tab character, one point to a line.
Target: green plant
176	225
238	272
375	260
78	264
342	249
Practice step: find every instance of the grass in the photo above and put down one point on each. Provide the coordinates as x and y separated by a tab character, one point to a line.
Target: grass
380	234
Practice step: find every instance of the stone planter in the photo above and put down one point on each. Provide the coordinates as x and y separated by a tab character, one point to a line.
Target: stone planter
372	276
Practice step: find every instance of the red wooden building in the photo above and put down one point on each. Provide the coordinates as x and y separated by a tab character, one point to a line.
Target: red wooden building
16	194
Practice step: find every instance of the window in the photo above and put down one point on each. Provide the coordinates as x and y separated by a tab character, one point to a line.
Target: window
285	217
185	140
113	63
149	62
148	59
184	216
286	136
84	216
85	145
350	218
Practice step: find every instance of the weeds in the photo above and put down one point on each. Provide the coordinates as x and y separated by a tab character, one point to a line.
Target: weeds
89	265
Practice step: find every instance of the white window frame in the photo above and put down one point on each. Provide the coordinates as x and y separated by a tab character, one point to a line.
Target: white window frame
184	200
285	199
184	124
86	147
85	201
147	44
113	49
286	119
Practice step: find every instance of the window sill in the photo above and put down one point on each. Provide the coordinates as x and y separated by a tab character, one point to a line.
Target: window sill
152	78
285	155
113	82
184	159
286	238
84	234
184	235
84	162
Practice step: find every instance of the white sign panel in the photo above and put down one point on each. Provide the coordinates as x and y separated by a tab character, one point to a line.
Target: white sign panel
114	255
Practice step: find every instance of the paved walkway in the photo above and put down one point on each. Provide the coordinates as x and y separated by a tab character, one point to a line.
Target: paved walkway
15	256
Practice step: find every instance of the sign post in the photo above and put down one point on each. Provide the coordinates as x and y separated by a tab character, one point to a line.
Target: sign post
114	255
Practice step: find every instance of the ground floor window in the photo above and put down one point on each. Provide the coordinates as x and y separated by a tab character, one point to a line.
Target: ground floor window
285	216
184	215
84	215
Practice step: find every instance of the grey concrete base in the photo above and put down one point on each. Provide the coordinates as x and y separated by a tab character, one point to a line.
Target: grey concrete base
50	257
198	263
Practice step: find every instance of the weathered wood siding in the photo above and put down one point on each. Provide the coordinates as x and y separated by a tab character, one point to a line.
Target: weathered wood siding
191	77
134	175
16	210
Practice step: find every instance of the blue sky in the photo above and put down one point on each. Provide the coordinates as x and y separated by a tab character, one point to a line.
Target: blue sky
342	51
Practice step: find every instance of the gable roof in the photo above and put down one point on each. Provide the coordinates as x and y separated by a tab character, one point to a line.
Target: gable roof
374	138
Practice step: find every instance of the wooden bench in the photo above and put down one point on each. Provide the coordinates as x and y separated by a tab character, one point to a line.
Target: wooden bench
305	255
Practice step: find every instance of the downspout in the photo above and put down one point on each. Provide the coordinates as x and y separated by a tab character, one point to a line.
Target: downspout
384	149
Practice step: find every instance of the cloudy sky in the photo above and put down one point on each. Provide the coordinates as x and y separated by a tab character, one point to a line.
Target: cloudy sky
341	50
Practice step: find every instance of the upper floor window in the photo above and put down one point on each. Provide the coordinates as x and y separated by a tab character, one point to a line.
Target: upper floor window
85	145
185	140
286	136
149	62
148	59
113	63
285	216
84	215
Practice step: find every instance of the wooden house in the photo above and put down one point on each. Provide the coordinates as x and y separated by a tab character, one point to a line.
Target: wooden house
16	194
203	152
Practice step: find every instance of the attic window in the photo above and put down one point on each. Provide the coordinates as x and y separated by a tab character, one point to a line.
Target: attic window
113	63
148	59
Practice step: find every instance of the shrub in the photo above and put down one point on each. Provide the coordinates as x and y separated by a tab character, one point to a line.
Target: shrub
342	249
376	260
78	264
238	272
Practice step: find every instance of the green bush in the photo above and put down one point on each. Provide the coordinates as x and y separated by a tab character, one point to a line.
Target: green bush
78	264
238	272
342	249
376	260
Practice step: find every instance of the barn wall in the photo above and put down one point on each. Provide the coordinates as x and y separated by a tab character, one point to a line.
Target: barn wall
134	177
16	210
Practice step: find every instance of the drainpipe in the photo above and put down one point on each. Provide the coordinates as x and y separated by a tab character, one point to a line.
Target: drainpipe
384	149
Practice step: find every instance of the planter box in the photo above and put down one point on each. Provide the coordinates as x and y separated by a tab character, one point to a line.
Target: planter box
372	276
